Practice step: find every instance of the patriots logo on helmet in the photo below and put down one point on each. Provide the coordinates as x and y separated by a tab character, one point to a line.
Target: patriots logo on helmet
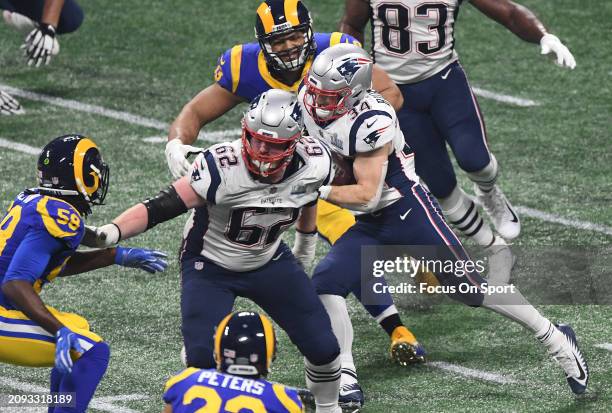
351	66
297	113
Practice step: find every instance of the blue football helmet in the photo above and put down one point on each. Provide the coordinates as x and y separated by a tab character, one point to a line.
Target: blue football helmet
245	344
71	168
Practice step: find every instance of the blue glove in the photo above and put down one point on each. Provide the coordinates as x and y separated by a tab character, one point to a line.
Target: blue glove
149	260
65	340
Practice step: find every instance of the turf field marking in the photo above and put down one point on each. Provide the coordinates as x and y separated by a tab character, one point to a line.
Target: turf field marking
555	219
104	404
472	373
511	100
605	346
21	147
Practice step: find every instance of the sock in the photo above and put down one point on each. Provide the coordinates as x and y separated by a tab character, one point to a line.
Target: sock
515	307
486	177
87	372
463	213
54	380
324	383
335	306
391	322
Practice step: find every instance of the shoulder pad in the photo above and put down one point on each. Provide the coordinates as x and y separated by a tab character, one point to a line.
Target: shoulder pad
371	130
61	220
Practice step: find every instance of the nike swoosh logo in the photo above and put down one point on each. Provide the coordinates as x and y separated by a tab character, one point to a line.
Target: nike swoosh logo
405	214
444	76
514	217
346	393
278	256
582	373
370	125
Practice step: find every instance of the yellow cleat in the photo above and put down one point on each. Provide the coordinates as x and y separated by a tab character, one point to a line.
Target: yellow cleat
405	349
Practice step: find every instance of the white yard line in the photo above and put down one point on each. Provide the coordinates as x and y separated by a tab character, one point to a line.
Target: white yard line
556	219
20	147
84	107
472	373
104	404
499	97
604	346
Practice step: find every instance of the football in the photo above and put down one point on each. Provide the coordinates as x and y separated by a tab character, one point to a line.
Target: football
343	170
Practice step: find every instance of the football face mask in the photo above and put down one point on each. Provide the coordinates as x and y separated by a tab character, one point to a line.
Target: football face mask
265	154
325	105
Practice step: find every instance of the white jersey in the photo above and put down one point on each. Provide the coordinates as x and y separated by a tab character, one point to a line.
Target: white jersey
413	40
241	224
368	126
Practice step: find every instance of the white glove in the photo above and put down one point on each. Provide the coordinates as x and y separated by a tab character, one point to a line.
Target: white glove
304	248
101	237
9	105
551	43
40	45
176	156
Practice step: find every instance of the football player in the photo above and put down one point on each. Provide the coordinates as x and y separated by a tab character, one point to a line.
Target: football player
9	105
244	194
42	20
358	124
245	347
286	46
39	236
414	42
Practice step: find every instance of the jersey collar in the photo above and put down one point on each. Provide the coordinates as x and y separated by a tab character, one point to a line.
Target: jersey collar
276	84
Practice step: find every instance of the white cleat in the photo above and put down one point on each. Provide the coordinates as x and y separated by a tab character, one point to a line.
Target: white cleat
504	217
18	21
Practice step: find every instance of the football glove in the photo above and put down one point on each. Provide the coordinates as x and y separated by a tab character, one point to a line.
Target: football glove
40	45
304	248
101	237
65	340
551	43
176	156
150	261
9	105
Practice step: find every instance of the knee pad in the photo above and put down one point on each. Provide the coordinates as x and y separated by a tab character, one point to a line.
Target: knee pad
322	349
70	19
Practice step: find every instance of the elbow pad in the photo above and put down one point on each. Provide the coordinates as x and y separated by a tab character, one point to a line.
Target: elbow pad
164	206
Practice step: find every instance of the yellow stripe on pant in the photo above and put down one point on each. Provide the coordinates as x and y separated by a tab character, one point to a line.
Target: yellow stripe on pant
333	221
38	349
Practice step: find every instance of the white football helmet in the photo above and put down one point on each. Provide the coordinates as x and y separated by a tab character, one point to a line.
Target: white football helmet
337	80
270	130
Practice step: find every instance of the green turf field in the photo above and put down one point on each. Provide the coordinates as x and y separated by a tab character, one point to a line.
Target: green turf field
148	58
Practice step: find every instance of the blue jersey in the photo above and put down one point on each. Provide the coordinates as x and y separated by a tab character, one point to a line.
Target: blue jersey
47	229
242	70
190	390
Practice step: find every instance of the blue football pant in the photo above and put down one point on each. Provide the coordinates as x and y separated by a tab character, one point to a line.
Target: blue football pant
441	110
423	233
281	288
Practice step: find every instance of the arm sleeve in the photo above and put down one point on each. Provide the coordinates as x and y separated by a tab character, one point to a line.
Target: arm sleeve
32	256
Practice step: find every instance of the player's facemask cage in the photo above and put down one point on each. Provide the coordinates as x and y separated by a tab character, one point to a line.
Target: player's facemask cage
325	105
266	164
275	20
